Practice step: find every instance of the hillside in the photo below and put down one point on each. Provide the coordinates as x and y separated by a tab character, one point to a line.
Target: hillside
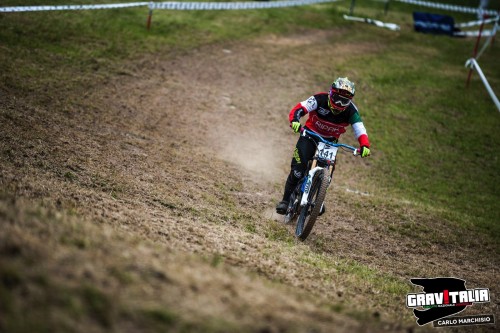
141	197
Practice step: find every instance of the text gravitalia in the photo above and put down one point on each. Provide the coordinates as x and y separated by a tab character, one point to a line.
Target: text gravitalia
448	298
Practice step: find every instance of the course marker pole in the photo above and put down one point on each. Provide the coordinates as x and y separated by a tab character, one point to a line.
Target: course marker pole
495	28
472	63
150	15
491	39
386	7
475	53
351	9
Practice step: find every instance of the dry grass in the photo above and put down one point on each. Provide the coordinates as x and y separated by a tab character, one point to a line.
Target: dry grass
147	204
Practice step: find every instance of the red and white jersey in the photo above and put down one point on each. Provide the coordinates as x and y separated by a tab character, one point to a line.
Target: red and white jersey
322	121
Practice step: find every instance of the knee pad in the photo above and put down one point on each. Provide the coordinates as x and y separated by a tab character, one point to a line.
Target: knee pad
297	174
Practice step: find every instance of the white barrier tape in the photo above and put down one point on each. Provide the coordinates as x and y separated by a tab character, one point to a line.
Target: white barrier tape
455	8
70	7
472	64
474	23
484	33
233	5
391	26
172	5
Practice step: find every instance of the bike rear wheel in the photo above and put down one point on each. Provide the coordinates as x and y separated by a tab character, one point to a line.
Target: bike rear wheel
309	213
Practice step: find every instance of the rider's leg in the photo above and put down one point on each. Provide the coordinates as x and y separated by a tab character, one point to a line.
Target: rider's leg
304	151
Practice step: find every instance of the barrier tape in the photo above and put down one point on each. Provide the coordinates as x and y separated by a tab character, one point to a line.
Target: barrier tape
472	64
484	33
173	5
455	8
233	5
70	7
474	23
227	6
391	26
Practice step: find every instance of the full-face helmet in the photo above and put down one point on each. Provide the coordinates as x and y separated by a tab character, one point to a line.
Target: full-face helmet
340	95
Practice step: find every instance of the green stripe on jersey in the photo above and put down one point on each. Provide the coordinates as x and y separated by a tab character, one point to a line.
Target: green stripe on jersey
355	118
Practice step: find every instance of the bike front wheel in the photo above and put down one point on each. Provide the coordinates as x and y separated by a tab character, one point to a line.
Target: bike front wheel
309	213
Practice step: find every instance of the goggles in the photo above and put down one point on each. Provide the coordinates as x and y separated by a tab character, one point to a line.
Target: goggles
339	100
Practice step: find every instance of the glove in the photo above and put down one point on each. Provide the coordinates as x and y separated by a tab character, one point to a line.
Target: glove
295	125
364	151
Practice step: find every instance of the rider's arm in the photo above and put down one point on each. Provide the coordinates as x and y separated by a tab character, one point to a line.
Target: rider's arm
303	108
297	112
359	130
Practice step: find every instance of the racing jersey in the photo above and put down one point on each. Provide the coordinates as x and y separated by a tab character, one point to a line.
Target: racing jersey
322	121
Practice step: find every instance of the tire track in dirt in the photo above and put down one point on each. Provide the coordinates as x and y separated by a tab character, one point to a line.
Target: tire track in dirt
191	152
245	96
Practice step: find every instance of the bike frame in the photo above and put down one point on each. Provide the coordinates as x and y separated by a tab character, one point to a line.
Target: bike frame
305	200
306	185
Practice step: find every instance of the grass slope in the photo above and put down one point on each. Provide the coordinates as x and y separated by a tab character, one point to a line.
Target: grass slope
92	240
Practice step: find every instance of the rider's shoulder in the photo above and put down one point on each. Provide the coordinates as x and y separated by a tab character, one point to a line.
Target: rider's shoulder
352	108
321	96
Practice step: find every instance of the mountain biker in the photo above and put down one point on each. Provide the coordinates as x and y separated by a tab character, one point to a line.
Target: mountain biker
328	115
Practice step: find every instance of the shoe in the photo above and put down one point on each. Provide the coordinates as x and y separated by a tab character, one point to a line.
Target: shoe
282	207
322	210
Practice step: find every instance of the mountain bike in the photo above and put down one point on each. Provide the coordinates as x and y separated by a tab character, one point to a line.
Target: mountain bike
307	198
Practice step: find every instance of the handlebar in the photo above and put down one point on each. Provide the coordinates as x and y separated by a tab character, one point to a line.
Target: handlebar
355	151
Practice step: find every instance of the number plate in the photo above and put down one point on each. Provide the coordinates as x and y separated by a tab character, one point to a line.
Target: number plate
327	152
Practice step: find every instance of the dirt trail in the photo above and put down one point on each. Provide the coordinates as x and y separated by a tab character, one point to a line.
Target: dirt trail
190	154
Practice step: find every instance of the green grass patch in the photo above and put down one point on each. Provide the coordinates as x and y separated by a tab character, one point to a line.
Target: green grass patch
433	138
276	232
161	317
356	273
94	43
99	305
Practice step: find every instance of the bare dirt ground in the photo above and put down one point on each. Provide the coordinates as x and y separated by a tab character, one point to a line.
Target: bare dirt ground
157	190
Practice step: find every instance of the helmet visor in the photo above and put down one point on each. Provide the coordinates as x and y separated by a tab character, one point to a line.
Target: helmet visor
339	101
